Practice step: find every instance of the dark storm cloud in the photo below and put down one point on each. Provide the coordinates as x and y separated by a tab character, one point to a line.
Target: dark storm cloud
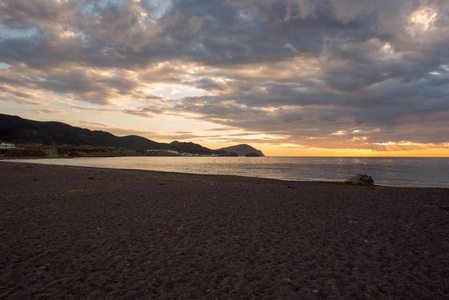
305	69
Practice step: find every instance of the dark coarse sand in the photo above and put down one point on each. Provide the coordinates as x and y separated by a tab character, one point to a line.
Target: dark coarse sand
85	233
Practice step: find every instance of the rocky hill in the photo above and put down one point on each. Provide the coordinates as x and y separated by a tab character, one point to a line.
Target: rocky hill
23	131
242	150
189	147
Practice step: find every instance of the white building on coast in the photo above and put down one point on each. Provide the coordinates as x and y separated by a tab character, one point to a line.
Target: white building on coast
7	146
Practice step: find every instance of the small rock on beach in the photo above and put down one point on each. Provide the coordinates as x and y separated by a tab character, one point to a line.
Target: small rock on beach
360	179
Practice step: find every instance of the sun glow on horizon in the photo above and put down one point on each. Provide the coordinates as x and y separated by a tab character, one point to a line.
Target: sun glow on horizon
389	149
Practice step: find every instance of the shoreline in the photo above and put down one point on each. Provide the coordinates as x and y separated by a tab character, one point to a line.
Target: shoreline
24	160
193	174
280	180
81	232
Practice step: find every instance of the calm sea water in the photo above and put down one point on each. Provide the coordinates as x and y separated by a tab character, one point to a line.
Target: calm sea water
405	172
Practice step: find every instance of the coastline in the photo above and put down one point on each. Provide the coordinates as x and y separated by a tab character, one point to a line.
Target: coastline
392	172
83	232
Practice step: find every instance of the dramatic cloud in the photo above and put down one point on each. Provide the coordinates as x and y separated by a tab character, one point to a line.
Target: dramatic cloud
315	73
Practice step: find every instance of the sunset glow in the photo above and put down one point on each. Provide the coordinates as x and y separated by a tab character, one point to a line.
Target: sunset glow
290	77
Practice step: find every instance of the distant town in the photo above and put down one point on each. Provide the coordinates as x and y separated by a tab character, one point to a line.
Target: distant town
176	153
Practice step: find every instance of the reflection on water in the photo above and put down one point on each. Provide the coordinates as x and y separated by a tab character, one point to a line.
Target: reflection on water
423	172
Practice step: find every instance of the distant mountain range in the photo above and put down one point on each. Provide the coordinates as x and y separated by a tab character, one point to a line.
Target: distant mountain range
14	129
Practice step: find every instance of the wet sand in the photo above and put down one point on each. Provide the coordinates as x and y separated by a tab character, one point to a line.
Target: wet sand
86	233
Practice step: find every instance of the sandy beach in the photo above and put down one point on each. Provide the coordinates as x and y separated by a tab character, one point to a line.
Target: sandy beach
86	233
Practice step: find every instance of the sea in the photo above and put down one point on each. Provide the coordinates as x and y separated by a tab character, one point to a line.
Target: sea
397	171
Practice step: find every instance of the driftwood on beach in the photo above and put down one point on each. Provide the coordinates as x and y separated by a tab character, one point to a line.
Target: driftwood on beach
85	233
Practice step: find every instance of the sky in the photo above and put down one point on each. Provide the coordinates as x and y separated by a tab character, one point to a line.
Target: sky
292	77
